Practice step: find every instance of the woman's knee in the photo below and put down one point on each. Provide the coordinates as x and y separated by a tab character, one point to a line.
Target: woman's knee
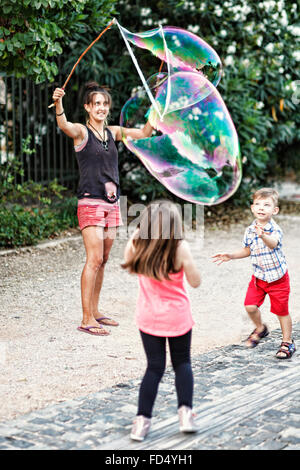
95	262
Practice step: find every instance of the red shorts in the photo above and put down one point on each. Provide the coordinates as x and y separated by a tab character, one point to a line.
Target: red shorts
98	212
278	292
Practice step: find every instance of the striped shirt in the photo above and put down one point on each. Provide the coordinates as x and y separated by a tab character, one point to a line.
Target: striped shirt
268	264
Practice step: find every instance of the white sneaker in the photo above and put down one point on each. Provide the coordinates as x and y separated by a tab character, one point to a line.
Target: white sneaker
186	419
140	428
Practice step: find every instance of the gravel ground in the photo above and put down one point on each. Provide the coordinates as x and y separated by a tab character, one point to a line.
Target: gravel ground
45	360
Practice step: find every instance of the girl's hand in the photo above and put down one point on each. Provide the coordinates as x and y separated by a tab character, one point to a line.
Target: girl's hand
220	258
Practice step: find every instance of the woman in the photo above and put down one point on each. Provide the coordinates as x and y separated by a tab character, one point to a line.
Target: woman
98	193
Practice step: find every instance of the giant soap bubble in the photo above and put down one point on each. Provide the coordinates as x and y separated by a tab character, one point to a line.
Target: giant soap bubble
194	151
181	49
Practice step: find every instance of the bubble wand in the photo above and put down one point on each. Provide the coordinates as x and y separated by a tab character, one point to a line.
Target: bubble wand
86	50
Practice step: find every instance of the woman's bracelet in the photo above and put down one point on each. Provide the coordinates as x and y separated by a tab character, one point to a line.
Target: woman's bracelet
60	113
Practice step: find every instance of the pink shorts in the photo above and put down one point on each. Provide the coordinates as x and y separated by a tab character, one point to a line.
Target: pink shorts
278	292
98	212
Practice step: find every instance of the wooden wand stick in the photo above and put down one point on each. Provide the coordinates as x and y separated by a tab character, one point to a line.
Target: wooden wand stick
87	49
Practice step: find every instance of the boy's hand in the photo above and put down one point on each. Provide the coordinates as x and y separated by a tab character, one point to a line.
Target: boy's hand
259	230
269	240
220	258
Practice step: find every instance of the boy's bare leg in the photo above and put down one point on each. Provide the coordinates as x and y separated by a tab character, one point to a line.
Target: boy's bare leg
286	328
255	315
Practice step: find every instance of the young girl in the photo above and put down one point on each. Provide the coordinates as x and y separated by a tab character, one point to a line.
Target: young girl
161	258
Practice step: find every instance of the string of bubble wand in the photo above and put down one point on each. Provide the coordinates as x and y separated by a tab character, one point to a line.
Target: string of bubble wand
122	31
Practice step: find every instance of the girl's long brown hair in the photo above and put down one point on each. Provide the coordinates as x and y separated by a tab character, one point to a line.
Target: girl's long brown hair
155	245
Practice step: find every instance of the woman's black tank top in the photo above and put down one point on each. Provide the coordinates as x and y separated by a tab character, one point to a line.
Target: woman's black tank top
97	166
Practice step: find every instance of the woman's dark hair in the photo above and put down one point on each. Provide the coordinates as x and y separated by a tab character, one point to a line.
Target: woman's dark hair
91	88
155	245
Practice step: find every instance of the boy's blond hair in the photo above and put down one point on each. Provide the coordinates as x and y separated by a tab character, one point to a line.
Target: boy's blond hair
266	192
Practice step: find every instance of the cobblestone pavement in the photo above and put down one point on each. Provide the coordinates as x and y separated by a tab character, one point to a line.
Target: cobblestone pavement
245	399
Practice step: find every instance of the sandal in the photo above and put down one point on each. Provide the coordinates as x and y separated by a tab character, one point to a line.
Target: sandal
287	349
107	321
255	337
86	329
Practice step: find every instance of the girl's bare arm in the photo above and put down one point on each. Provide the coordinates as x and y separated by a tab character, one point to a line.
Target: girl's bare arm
184	258
129	248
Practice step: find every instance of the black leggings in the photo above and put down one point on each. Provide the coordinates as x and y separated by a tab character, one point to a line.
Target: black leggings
155	349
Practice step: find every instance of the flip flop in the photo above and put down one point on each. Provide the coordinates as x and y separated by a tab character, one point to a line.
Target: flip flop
109	323
86	329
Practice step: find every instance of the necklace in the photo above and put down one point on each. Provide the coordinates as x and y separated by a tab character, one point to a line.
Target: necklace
102	139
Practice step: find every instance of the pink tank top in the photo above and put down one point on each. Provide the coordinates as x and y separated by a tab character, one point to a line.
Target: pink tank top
163	307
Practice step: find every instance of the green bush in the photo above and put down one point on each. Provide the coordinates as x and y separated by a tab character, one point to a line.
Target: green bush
34	32
22	226
31	212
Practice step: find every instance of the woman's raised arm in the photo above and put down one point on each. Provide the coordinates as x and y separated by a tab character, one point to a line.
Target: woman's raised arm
73	130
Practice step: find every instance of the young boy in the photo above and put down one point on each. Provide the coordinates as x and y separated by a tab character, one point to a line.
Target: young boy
263	242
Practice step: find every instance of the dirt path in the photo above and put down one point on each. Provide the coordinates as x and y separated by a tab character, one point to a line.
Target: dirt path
44	359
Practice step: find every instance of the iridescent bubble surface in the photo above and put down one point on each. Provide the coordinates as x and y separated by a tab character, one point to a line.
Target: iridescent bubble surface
194	150
182	49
